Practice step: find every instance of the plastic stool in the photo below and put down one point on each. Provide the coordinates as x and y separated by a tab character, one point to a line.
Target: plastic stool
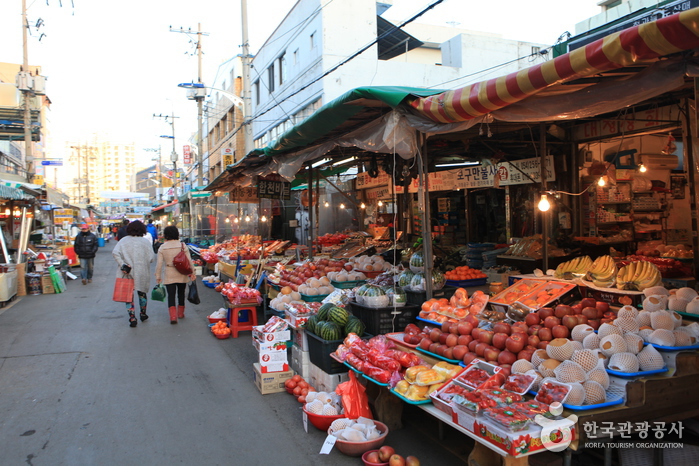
234	314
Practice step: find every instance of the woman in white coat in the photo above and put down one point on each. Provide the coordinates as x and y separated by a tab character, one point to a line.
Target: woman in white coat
134	253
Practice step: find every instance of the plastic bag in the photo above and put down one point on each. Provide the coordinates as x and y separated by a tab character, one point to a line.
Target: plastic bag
158	293
193	294
354	399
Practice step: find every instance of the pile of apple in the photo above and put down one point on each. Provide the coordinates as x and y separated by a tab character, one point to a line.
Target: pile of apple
388	455
506	343
314	269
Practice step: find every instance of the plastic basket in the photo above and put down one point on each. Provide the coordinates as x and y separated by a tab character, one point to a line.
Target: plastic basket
319	353
381	320
347	284
313	299
416	298
467	283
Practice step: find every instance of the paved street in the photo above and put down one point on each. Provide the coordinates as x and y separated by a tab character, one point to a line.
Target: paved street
78	386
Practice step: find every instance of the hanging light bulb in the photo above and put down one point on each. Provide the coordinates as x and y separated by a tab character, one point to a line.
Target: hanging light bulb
642	168
380	204
235	220
263	218
327	204
228	220
342	206
362	206
247	218
544	203
7	212
601	182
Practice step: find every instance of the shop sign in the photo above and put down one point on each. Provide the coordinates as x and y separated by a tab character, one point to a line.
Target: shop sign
267	189
227	154
187	154
509	175
62	215
384	192
239	194
637	121
364	181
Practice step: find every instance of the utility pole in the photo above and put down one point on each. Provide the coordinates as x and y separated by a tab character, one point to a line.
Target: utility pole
173	156
247	96
28	155
200	101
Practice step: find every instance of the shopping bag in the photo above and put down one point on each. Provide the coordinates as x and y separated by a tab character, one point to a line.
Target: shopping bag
193	294
123	289
156	246
354	398
181	262
158	293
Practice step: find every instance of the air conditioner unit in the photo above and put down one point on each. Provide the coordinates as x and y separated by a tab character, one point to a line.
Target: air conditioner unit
659	161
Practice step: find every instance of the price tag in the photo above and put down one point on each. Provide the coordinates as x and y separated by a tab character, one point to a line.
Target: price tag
328	444
305	421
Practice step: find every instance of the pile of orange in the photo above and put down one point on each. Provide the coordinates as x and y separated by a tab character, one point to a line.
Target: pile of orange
221	329
464	272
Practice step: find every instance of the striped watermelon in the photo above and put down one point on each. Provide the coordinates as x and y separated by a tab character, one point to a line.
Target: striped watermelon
329	331
312	323
323	311
338	315
354	325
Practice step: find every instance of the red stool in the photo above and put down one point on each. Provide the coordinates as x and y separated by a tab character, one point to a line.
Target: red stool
234	315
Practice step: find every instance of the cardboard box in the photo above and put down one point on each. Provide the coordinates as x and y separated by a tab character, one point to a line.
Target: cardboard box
21	279
300	339
679	282
261	346
47	289
273	367
47	284
270	382
270	337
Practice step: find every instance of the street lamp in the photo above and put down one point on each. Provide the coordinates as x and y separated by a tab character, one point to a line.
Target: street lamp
173	158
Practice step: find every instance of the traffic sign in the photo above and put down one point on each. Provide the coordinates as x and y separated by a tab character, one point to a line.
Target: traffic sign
55	163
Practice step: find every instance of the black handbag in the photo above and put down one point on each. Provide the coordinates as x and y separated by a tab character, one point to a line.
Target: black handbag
193	294
156	246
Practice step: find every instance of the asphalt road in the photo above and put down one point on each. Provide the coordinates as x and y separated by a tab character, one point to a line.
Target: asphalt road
78	386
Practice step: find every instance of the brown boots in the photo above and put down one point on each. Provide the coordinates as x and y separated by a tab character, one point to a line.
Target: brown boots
180	312
173	314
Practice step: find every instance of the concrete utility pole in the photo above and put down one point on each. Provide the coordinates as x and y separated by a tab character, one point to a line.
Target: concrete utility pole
28	155
247	96
173	156
200	101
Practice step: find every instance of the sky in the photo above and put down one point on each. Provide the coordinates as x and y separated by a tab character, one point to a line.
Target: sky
111	65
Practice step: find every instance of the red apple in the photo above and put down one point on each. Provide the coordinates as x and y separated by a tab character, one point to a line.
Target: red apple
569	321
577	308
551	322
396	460
534	329
545	312
506	357
385	453
373	457
480	348
434	347
486	336
434	334
532	318
412	461
611	315
473	320
542	345
589	312
470	356
545	334
594	323
606	321
491	354
562	310
459	351
499	340
525	354
448	352
515	343
560	331
446	326
602	306
519	326
588	302
464	340
505	371
464	328
452	340
581	319
472	345
533	340
425	344
476	332
502	327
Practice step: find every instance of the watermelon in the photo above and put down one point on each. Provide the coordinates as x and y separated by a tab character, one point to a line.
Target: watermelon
323	311
354	325
329	331
417	262
312	323
405	277
338	315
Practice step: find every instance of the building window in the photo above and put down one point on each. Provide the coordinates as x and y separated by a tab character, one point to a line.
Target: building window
313	40
256	90
270	78
281	61
296	57
536	50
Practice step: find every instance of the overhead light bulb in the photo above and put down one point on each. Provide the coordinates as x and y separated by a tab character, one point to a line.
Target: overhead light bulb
642	168
247	218
327	204
235	220
7	211
362	206
380	204
263	218
601	182
228	220
544	203
342	206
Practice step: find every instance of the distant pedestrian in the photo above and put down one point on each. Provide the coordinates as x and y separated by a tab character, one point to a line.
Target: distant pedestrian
152	230
122	230
85	247
134	254
174	281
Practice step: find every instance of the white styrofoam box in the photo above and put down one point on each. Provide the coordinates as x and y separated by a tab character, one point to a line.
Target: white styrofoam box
275	367
300	339
322	381
270	337
302	356
304	370
274	346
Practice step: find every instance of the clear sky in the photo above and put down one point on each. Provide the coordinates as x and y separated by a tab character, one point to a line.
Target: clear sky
112	64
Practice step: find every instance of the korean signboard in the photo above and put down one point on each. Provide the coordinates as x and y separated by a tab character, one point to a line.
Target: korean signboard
248	194
227	156
268	188
187	155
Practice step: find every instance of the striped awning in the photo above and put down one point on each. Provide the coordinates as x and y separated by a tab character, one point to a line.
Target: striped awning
642	44
13	193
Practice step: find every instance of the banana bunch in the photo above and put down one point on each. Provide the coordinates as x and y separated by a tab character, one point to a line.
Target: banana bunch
603	272
638	276
577	267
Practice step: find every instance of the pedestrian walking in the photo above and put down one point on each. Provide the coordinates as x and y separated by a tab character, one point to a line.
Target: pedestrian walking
85	247
152	230
122	230
133	254
174	281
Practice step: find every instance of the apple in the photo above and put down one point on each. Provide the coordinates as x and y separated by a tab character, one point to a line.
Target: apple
464	340
515	343
542	345
560	331
505	371
491	354
385	453
577	308
606	321
502	327
425	344
611	315
373	457
452	340
534	329
459	351
476	332
545	334
446	326
448	352
569	321
532	318
464	328
602	306
454	328
581	319
525	354
588	302
411	461
533	340
473	320
506	357
396	460
551	321
594	323
499	340
472	346
468	357
434	347
434	334
545	312
480	348
589	312
486	336
519	326
562	310
443	338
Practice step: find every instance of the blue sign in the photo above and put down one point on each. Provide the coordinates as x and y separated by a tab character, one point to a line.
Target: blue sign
55	163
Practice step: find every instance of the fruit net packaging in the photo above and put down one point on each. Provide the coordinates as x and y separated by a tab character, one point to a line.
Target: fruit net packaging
480	374
514	292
